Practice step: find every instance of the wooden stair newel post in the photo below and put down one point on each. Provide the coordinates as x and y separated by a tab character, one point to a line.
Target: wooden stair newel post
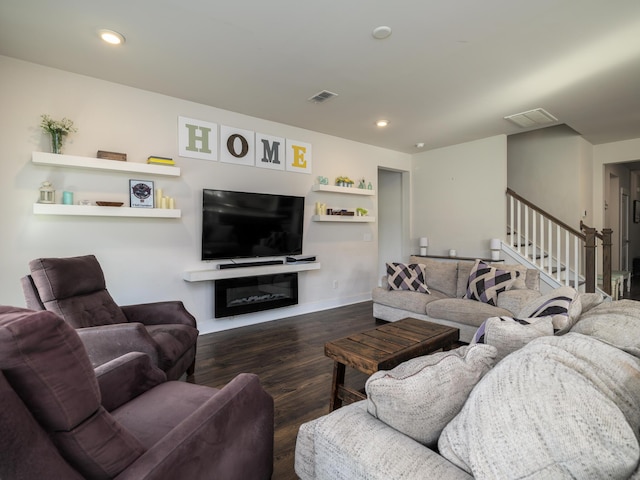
606	260
590	258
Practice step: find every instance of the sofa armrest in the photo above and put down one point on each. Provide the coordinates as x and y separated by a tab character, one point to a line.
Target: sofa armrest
350	443
126	377
515	300
106	342
159	313
230	436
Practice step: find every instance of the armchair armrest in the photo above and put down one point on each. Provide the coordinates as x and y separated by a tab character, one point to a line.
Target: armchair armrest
106	342
230	436
159	313
126	377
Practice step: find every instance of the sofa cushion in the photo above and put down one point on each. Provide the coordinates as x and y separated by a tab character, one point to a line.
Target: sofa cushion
485	282
403	276
406	300
563	304
617	323
570	402
420	396
515	300
509	334
468	312
440	275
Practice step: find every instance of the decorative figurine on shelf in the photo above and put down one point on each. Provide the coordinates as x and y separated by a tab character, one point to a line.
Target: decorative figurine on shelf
369	187
362	212
47	193
362	184
323	180
58	129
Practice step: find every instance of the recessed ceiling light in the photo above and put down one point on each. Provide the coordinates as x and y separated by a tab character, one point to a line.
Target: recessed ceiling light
382	123
111	37
381	32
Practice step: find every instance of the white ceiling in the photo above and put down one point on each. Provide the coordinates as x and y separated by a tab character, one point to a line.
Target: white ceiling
449	73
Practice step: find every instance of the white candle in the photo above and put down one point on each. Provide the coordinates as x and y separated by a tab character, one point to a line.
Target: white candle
158	198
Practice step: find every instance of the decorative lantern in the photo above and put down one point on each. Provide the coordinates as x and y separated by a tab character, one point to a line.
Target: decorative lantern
47	193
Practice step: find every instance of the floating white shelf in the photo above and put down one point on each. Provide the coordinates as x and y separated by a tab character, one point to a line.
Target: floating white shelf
343	218
348	190
238	272
73	161
96	211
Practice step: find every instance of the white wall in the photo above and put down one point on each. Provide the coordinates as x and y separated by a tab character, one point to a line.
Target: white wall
552	168
144	259
458	196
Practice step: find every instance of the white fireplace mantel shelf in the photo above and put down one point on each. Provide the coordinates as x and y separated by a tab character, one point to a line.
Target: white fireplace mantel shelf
238	272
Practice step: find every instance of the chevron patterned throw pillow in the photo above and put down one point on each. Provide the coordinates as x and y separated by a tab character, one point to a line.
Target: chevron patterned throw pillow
402	276
485	282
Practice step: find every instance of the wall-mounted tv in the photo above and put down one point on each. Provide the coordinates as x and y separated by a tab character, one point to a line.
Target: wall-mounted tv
244	224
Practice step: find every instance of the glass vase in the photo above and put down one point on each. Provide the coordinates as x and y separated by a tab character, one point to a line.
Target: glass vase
56	142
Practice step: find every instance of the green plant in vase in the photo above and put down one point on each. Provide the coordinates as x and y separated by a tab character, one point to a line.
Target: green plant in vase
58	129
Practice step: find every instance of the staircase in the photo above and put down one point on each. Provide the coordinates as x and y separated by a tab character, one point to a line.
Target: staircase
563	255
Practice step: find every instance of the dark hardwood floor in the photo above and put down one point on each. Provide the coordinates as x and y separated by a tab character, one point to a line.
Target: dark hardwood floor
288	356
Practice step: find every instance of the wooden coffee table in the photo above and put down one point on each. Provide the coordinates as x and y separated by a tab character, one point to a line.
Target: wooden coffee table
383	348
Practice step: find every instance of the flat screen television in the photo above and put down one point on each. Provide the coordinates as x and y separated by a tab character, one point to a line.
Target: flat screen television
243	224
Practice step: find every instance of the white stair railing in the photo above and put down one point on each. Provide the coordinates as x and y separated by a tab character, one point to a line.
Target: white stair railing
549	244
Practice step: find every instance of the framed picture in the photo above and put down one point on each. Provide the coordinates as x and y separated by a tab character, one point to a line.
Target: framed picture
636	211
141	193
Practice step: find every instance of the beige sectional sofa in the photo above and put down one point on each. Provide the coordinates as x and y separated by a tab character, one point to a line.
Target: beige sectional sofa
447	283
561	406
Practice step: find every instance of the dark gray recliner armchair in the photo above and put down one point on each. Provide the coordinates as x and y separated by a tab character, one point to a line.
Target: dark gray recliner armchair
54	424
75	289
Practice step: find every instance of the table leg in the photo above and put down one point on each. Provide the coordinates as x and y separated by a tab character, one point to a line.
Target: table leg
338	381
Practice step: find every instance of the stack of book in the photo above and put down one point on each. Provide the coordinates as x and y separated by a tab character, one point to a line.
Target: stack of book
160	160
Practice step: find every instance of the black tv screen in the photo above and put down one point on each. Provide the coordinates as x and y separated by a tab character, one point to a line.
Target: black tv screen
243	224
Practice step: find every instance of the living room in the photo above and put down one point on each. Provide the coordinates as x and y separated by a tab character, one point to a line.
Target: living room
455	192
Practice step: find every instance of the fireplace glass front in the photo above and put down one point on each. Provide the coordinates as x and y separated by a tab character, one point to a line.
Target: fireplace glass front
236	296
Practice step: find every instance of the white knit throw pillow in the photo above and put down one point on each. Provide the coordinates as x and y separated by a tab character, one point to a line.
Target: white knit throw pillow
420	396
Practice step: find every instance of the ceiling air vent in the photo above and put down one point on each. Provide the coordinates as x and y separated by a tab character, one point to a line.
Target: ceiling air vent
322	96
532	118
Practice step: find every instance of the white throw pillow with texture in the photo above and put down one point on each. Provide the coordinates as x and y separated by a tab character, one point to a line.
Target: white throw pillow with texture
420	396
617	323
561	407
